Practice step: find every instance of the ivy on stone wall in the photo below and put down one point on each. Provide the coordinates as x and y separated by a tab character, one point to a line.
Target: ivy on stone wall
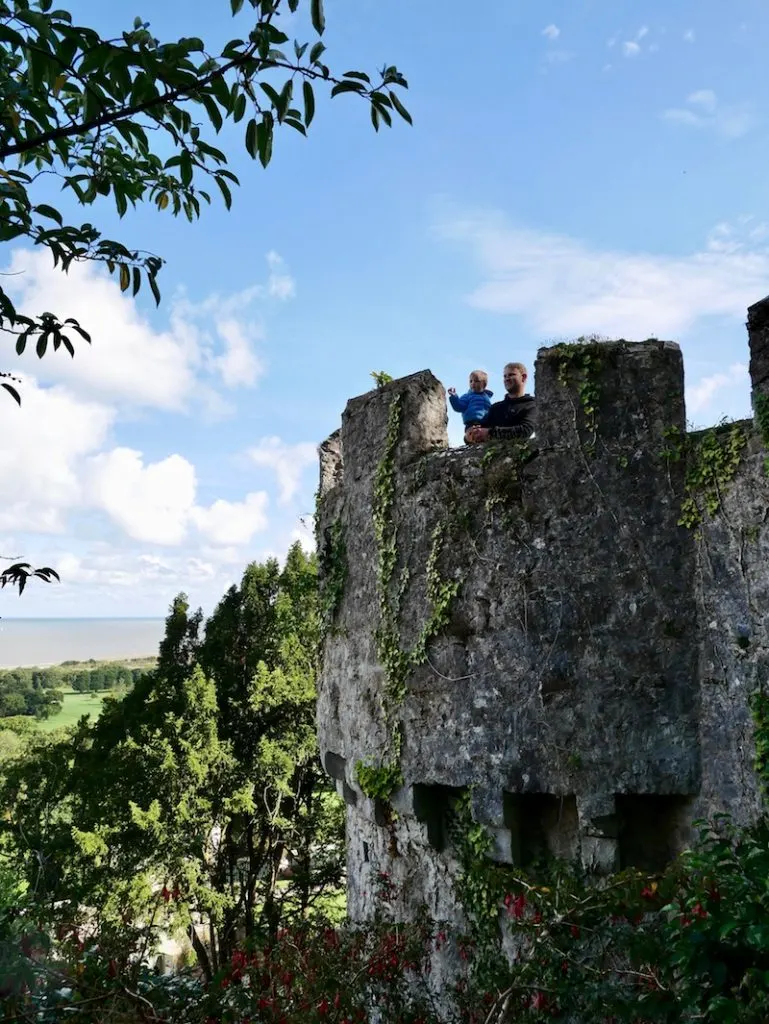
712	460
580	364
761	405
398	662
332	557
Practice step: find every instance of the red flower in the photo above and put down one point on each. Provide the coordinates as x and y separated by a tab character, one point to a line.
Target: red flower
575	933
539	1001
699	911
164	892
515	905
322	1007
647	893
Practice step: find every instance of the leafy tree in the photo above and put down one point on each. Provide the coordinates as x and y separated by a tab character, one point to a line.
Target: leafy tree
131	118
197	799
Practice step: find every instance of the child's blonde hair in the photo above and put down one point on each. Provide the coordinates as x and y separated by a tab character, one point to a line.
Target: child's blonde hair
482	375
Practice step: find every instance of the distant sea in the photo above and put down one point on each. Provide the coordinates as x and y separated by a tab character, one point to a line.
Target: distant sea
51	641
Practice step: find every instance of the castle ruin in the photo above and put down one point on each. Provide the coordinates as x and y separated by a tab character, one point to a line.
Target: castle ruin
569	630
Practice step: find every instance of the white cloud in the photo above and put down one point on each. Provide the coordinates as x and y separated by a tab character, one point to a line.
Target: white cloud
239	365
155	504
232	522
704	98
562	286
50	435
700	395
288	461
704	110
632	47
129	361
551	32
688	36
280	284
150	503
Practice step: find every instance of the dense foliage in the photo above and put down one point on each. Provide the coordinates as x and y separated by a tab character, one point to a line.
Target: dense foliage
29	691
195	803
38	691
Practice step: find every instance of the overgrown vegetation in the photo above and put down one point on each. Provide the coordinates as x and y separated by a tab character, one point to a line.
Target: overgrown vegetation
398	662
712	458
196	803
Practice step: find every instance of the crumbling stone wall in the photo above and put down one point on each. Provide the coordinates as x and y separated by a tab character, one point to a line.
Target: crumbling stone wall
564	649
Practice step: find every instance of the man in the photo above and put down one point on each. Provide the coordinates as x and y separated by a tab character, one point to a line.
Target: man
513	417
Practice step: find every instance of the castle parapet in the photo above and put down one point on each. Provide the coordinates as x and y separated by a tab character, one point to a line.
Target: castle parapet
521	622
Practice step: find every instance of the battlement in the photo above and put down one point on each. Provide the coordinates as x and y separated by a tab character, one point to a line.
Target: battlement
568	628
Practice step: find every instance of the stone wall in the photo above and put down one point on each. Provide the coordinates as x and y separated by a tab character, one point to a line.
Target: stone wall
588	681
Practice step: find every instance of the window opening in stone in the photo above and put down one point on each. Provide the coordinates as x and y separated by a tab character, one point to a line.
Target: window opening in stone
542	827
434	806
365	853
653	829
334	765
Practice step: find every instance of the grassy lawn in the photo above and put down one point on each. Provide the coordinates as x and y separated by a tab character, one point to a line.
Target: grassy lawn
74	707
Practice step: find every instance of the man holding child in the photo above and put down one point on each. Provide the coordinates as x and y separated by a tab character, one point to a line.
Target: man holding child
512	418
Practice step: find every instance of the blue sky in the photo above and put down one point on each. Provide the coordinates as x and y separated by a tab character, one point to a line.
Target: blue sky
575	166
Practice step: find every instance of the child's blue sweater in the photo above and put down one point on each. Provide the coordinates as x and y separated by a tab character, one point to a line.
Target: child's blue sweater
472	405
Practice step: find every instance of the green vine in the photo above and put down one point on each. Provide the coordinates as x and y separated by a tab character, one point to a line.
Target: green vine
761	406
581	364
378	783
712	460
759	709
397	662
333	577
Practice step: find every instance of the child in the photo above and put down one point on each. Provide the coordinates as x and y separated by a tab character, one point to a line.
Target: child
475	403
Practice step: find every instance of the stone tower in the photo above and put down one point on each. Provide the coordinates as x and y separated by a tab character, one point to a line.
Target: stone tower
568	630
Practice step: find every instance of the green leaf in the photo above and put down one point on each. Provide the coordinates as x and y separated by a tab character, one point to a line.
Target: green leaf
50	212
212	109
316	51
240	108
226	193
400	108
264	140
251	139
317	16
341	87
125	278
185	168
12	392
137	280
154	288
236	6
309	103
357	74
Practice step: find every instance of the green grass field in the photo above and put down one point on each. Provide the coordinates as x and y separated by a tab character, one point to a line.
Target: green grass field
74	707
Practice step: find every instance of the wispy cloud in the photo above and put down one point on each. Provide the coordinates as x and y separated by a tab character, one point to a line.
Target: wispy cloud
551	32
704	110
564	287
632	46
700	394
288	462
688	36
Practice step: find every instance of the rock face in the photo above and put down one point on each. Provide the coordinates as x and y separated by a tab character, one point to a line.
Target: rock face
531	623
